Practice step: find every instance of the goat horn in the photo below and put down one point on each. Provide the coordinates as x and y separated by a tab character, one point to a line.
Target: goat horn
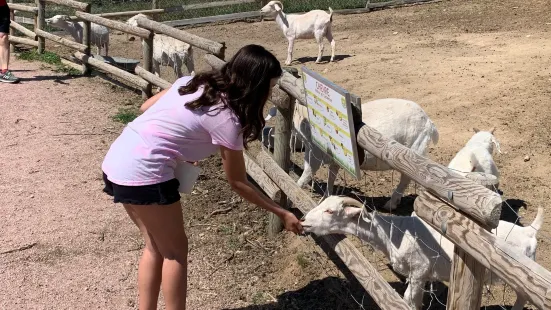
352	202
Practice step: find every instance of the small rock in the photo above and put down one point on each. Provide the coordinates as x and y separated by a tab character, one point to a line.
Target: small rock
395	33
32	196
325	70
526	158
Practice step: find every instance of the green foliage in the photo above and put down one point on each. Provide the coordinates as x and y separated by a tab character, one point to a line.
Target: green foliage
125	115
49	58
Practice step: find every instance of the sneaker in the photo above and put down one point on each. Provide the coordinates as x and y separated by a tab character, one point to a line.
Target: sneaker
8	77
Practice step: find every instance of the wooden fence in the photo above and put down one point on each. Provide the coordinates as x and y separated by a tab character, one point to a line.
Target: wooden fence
460	208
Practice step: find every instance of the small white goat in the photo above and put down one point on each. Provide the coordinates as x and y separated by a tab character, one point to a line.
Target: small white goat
314	24
99	35
476	155
415	250
401	120
168	51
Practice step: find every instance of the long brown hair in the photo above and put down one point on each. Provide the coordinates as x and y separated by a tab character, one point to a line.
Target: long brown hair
243	85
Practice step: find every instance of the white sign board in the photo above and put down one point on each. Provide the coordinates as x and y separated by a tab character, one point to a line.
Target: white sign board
331	123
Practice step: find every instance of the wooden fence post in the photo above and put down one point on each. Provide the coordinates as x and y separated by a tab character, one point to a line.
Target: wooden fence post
12	31
282	148
148	62
40	21
86	40
467	274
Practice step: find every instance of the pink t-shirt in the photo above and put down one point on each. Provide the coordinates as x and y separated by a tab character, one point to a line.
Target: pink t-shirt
149	147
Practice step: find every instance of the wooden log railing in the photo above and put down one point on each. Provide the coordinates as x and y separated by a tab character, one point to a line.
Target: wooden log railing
113	24
72	4
25	41
524	275
66	42
151	78
24	8
22	29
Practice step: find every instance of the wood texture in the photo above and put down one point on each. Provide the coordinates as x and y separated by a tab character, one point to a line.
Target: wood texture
491	182
383	294
152	78
70	3
24	8
87	41
24	20
39	25
282	150
213	47
130	13
19	40
524	275
213	19
113	24
293	86
147	48
12	18
260	177
471	198
112	70
66	42
22	29
71	64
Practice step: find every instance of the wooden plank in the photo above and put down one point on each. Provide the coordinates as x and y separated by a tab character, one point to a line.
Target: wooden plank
258	175
22	29
71	3
24	20
152	78
213	47
24	8
213	19
282	150
369	277
207	5
25	41
147	48
121	26
471	198
12	31
69	43
71	64
524	275
112	70
131	13
87	41
39	25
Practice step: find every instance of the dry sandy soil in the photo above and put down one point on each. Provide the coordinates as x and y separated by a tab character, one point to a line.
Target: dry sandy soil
65	245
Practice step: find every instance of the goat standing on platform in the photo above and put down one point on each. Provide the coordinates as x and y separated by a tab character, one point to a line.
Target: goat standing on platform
314	24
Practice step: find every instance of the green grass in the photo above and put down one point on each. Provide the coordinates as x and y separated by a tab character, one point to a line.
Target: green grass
49	58
125	115
302	261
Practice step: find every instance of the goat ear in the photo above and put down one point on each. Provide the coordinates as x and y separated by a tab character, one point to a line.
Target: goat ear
352	211
476	129
492	130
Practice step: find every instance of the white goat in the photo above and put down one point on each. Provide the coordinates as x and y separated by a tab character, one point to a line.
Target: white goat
314	24
168	51
415	250
476	155
99	35
401	120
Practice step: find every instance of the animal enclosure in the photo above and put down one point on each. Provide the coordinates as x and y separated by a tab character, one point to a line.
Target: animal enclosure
448	227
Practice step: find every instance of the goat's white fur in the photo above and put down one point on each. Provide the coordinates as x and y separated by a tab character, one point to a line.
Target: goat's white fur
415	250
401	120
99	35
314	24
476	155
168	51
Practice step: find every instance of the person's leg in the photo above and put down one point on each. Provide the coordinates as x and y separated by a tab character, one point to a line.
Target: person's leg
5	75
149	269
165	224
4	52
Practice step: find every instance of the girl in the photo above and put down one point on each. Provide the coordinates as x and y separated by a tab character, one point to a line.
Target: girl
220	110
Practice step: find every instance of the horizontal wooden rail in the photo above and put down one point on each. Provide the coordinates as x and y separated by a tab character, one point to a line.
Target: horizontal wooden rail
524	275
369	277
213	47
129	77
124	27
71	64
260	177
207	5
131	13
25	41
152	78
66	42
24	8
70	3
474	199
213	19
15	25
24	20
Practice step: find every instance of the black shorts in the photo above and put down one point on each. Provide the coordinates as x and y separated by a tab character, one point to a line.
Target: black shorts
4	19
164	193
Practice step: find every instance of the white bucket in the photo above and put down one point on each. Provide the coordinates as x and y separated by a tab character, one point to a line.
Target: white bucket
187	174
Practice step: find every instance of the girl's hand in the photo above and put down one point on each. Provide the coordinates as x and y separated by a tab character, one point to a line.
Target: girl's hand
195	163
291	223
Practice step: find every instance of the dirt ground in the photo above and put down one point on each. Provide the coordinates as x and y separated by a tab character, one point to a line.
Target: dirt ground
65	245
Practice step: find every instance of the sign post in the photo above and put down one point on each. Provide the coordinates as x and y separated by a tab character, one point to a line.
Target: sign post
331	122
